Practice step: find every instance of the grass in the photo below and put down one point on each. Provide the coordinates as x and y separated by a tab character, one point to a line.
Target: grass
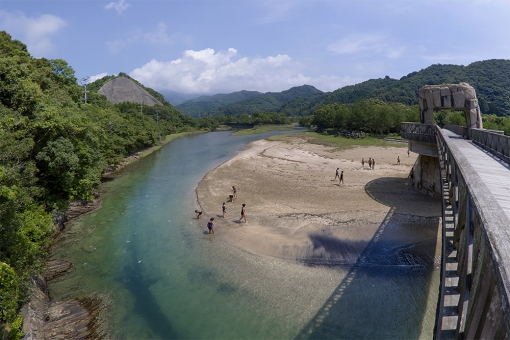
262	129
337	143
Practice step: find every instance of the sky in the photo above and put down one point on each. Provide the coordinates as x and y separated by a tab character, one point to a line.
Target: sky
222	46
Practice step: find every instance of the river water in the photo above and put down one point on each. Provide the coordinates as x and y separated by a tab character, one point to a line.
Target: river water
145	251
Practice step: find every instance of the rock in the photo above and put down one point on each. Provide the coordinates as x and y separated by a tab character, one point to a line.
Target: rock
452	96
122	89
56	268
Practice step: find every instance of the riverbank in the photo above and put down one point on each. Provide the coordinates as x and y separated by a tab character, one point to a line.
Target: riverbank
291	193
81	317
298	211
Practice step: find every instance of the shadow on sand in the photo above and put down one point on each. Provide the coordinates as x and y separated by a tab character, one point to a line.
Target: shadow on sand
383	295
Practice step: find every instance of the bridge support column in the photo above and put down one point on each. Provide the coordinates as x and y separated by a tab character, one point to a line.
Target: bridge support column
427	176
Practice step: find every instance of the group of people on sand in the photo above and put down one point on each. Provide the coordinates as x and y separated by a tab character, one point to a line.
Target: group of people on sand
371	163
232	197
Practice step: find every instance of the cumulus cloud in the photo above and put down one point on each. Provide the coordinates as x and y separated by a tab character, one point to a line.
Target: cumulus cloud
208	71
119	7
35	32
97	76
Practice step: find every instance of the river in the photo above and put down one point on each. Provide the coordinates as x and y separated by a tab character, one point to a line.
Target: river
145	251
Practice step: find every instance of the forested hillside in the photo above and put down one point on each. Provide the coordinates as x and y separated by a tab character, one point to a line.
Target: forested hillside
293	100
204	105
54	148
490	78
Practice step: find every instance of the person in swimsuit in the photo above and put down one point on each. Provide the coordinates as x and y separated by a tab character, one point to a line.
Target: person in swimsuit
363	162
210	225
370	162
243	214
373	164
336	174
224	209
234	191
398	160
199	213
341	178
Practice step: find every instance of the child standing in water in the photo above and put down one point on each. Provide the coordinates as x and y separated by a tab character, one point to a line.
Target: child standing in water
243	214
210	225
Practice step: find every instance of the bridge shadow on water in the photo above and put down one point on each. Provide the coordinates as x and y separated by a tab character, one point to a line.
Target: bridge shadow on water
384	293
158	324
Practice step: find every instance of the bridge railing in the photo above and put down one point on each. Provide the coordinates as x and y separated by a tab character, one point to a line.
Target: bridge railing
482	243
493	141
425	133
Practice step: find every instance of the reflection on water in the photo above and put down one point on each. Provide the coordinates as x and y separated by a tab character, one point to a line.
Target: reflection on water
168	280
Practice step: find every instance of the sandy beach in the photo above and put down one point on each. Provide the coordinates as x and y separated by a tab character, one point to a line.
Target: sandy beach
295	208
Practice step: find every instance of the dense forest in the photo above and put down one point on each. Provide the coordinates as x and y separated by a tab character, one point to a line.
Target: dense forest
490	78
54	148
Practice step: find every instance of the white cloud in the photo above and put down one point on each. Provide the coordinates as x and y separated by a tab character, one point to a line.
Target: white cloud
359	43
116	46
208	71
35	32
159	36
97	76
120	6
156	37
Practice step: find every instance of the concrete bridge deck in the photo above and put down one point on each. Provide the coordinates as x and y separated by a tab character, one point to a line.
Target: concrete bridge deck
493	173
476	280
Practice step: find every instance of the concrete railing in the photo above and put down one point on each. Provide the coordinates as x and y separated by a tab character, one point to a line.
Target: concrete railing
493	141
481	241
424	133
460	130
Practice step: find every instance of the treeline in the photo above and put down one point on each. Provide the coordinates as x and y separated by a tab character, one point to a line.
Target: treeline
371	115
54	148
490	79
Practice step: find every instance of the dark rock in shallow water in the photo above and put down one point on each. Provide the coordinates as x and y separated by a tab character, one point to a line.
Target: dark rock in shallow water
56	268
78	318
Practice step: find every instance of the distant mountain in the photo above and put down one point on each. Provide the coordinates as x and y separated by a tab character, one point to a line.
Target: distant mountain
490	78
204	105
274	102
176	98
291	102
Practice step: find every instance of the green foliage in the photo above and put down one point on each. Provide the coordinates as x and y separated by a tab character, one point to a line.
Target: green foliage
490	79
54	148
366	115
9	292
450	117
292	102
16	328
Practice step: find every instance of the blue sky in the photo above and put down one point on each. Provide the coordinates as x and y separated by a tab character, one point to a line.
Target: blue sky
222	46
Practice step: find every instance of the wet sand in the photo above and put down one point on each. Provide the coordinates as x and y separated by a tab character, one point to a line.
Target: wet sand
295	208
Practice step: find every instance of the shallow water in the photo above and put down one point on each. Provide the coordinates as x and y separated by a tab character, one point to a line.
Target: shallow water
167	279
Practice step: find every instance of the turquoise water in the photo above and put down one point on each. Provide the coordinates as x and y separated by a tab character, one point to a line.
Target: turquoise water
146	252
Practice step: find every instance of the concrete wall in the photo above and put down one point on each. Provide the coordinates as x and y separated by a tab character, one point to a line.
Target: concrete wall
427	176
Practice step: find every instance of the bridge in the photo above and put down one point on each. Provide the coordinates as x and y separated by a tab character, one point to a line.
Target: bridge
469	169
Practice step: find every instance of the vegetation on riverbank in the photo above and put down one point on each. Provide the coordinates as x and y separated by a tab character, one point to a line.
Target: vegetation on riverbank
55	148
263	128
336	143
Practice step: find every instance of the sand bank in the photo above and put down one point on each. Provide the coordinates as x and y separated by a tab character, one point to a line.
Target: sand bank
297	211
